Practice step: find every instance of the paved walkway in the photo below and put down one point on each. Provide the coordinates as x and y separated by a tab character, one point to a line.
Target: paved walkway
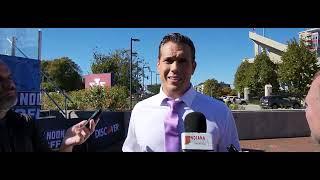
299	144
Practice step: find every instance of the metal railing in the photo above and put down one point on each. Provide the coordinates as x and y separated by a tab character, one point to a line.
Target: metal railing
66	97
54	102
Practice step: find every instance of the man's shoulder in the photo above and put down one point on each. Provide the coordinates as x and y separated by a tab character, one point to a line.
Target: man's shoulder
147	102
211	106
19	119
204	99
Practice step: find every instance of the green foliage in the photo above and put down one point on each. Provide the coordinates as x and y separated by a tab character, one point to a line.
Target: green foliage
216	89
297	69
79	99
235	107
48	86
293	75
118	96
225	91
263	72
117	63
243	76
211	88
65	73
256	75
97	97
233	92
46	102
155	89
113	99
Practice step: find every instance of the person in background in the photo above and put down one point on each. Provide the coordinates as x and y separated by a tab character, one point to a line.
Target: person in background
312	103
18	132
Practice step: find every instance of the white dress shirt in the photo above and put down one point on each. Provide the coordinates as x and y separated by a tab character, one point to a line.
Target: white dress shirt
146	128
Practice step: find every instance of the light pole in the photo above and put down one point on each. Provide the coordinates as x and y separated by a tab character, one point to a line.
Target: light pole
137	73
151	74
138	90
39	44
134	54
157	78
143	75
132	39
13	47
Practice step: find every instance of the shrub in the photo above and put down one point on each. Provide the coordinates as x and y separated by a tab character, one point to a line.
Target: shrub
113	99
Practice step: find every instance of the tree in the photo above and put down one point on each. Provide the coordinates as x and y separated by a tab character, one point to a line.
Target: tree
233	92
264	72
155	88
212	88
64	73
243	76
297	68
226	91
117	63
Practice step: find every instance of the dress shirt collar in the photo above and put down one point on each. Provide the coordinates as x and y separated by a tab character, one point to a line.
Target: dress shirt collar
187	97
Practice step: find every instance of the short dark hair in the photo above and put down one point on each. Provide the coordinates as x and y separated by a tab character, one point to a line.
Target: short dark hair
178	38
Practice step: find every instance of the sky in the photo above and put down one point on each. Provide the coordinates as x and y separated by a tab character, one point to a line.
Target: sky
219	51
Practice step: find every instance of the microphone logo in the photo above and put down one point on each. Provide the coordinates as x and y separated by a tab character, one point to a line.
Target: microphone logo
191	139
198	139
187	140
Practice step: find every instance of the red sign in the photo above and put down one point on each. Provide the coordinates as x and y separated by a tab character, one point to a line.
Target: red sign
98	80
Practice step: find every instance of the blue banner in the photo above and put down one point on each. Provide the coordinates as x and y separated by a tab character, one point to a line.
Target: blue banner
28	102
26	75
109	131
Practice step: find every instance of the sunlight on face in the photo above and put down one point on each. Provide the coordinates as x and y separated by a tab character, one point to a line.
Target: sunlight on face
8	94
175	66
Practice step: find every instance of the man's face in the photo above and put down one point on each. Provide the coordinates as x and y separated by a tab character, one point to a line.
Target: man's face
8	94
313	108
175	66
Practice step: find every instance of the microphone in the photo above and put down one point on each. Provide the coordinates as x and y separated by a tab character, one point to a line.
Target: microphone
195	138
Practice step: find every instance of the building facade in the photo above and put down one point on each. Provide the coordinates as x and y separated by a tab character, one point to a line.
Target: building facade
311	39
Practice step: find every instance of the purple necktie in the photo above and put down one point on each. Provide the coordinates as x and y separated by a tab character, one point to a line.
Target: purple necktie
172	136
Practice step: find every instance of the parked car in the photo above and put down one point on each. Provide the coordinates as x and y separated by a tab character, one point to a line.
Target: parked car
234	100
220	99
277	101
227	99
240	101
